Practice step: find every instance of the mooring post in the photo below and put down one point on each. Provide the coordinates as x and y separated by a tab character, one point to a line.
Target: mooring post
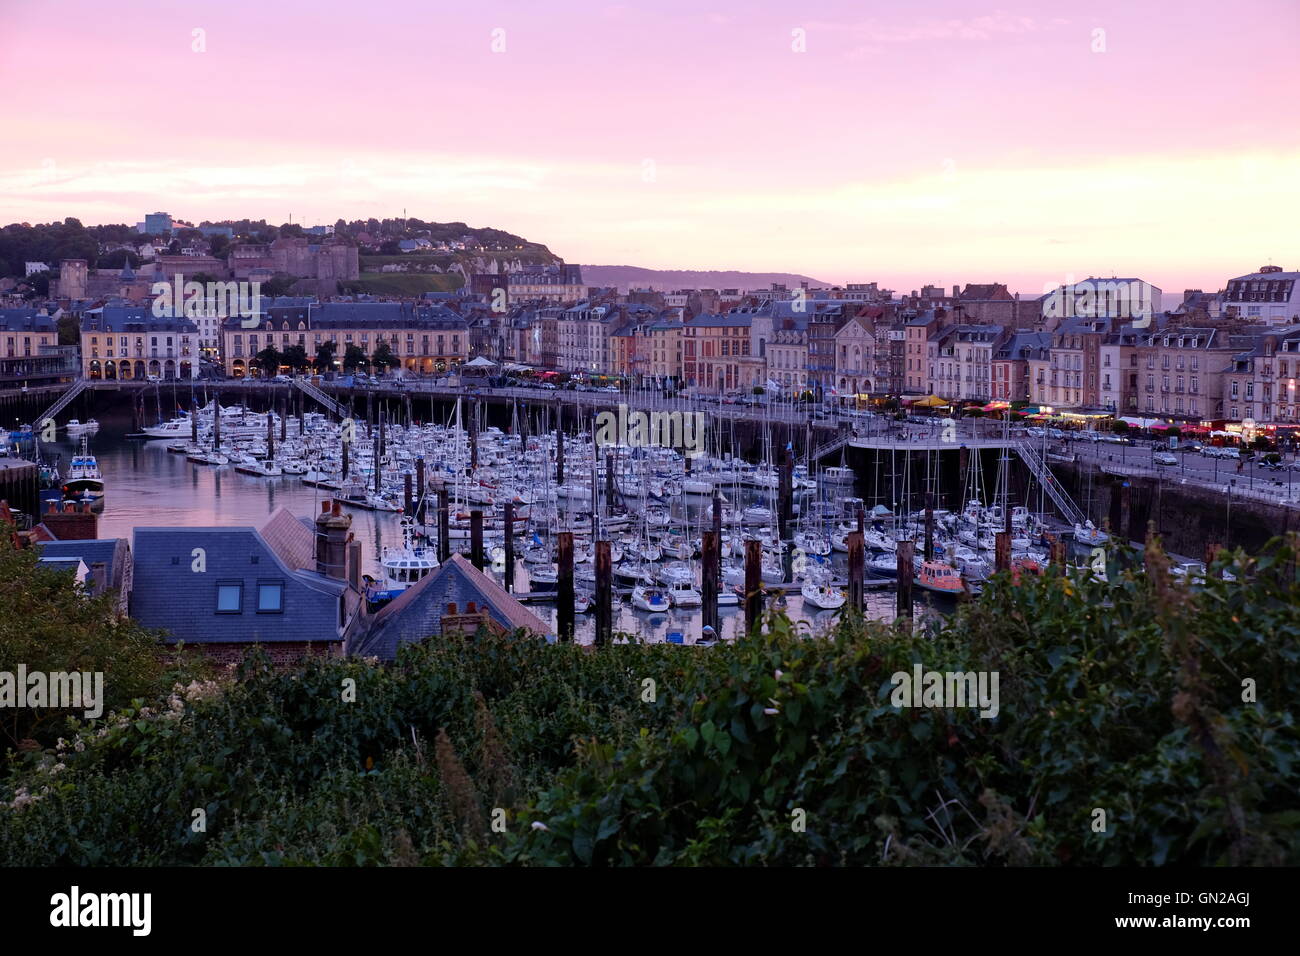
408	501
857	568
1002	551
710	565
906	573
564	587
604	594
510	546
476	538
753	586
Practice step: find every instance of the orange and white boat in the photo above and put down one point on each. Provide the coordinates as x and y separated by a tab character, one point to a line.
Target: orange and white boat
939	577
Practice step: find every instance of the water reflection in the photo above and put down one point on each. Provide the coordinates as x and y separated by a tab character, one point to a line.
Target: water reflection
149	486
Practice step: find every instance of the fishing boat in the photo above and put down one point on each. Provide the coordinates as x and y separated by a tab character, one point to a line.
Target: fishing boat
646	598
403	566
84	481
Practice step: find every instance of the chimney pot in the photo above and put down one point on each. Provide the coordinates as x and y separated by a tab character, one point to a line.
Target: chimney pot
470	608
451	607
325	506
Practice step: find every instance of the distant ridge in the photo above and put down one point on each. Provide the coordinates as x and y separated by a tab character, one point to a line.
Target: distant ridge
666	280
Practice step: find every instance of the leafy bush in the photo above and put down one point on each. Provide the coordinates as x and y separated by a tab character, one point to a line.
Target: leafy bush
1125	696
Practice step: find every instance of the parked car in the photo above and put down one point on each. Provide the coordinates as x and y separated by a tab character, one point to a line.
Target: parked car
152	378
1164	458
283	378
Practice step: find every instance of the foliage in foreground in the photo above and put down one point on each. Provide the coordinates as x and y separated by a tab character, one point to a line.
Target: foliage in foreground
1125	697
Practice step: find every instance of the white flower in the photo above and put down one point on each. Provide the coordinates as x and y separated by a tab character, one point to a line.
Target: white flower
779	675
79	746
539	825
771	711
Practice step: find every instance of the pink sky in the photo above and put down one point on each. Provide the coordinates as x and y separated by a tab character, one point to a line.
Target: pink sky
945	142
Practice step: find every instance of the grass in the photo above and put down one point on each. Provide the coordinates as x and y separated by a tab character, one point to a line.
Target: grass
397	283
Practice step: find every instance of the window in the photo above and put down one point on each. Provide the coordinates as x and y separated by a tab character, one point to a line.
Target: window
230	597
270	597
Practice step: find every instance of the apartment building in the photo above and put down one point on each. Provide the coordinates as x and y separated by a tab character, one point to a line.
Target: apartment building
716	354
130	342
1010	374
963	363
424	339
1180	372
1268	296
787	354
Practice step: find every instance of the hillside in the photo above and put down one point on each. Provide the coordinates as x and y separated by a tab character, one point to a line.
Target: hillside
665	280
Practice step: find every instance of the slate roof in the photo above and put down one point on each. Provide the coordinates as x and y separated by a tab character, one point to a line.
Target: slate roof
25	320
416	614
169	594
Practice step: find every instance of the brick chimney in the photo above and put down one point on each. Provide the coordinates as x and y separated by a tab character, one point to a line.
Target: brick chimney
71	521
332	537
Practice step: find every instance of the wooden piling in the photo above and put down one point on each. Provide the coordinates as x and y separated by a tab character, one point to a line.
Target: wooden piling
709	570
564	586
906	576
476	538
857	569
753	586
1002	551
604	594
408	501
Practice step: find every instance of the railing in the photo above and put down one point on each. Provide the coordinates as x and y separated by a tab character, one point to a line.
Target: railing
64	400
311	391
1068	509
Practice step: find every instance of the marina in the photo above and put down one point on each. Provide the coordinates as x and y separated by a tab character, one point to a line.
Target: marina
230	464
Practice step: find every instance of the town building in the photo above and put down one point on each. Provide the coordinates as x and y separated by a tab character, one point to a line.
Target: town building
424	339
1268	296
291	586
130	342
30	354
